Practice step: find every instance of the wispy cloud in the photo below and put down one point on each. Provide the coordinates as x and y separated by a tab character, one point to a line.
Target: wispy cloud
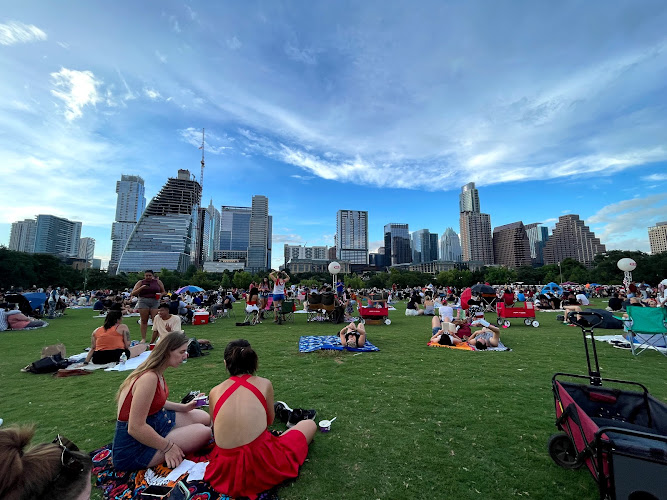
193	137
76	89
234	43
152	93
290	239
161	57
655	178
15	32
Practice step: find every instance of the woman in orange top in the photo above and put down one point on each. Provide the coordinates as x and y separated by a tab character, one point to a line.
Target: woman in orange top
109	342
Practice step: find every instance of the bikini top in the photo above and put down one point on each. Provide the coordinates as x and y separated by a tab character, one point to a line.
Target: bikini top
238	382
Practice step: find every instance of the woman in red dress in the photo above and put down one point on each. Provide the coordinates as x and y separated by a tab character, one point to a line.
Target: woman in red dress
247	459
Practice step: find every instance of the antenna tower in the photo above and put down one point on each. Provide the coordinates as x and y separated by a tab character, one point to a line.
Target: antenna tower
201	175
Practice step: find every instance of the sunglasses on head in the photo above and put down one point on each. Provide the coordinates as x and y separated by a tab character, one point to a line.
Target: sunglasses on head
67	458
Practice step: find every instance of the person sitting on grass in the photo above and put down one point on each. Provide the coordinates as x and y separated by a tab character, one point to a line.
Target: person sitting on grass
429	304
353	335
413	309
488	336
444	333
46	470
16	320
110	341
247	459
164	323
151	430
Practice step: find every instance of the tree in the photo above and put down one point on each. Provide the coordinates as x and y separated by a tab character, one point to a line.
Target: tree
500	275
226	281
242	279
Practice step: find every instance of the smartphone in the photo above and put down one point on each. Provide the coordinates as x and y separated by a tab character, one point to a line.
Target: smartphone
154	491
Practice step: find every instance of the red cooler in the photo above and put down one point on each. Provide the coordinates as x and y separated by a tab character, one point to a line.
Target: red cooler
200	318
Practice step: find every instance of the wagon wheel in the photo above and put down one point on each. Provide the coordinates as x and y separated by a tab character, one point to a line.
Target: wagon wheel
499	321
387	322
506	323
535	323
563	452
527	322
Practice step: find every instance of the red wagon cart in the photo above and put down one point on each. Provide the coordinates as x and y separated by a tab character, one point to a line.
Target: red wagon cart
527	312
375	315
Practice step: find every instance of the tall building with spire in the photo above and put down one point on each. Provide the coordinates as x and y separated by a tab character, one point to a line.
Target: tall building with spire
476	241
130	204
573	239
165	236
450	246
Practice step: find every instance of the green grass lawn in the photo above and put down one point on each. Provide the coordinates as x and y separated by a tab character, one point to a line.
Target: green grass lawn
412	421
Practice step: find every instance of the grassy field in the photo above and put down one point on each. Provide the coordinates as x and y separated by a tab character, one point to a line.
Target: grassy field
412	421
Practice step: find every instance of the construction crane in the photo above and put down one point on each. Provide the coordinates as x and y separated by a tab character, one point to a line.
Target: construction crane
201	175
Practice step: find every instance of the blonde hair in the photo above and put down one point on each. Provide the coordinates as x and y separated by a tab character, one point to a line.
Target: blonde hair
157	358
39	472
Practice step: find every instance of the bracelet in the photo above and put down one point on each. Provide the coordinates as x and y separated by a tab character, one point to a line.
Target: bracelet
168	447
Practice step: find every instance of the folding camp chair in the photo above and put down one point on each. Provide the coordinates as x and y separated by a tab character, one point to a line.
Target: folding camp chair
649	326
252	316
314	306
286	311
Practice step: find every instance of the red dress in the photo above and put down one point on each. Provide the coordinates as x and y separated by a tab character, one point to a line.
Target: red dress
257	466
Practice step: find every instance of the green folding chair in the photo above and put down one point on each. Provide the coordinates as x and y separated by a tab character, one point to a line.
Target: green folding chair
648	325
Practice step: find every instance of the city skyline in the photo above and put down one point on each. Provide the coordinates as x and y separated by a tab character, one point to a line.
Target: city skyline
391	121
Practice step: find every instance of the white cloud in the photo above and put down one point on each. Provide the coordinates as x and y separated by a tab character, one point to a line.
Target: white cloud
655	177
306	56
173	22
374	245
193	137
152	93
161	57
303	178
15	32
234	43
76	89
282	239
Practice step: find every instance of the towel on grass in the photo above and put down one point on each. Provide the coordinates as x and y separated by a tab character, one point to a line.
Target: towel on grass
467	347
330	342
130	364
129	485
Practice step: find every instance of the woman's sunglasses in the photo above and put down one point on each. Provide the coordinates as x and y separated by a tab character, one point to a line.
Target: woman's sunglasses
67	458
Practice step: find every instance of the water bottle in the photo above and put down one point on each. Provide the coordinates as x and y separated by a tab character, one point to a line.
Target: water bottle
123	359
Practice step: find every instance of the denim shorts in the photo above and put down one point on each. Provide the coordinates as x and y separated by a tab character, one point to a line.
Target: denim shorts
130	454
436	329
147	303
277	297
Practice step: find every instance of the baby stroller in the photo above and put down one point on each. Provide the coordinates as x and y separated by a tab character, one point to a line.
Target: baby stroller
620	434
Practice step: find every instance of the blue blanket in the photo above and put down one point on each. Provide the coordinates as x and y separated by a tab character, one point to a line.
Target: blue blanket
315	343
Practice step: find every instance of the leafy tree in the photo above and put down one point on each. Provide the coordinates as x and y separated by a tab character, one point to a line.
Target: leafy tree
242	279
226	281
500	275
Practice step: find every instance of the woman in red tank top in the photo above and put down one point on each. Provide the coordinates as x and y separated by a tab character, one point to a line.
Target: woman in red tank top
247	459
151	430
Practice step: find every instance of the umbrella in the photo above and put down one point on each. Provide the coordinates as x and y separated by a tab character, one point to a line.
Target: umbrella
479	288
189	288
465	297
36	300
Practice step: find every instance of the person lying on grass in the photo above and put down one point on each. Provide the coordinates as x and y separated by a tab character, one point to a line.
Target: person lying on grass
488	336
110	341
444	333
353	335
151	430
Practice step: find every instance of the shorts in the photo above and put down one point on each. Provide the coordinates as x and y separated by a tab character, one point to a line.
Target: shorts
278	297
411	312
147	303
436	329
110	356
130	454
264	295
251	308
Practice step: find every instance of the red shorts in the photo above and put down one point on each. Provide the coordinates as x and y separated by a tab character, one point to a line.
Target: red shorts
257	466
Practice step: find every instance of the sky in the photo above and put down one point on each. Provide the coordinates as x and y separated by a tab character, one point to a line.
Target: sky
550	108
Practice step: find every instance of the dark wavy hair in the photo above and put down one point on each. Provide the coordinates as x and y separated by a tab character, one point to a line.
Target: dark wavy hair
240	358
112	318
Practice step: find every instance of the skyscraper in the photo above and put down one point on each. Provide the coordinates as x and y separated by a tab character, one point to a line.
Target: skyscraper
657	237
57	236
572	238
450	246
86	249
537	236
352	236
511	247
165	235
22	236
259	256
476	242
396	244
235	228
130	204
424	246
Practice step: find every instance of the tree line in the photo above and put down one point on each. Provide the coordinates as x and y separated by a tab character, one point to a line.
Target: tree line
23	270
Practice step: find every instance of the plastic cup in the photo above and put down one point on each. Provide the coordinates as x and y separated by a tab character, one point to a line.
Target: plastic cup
151	347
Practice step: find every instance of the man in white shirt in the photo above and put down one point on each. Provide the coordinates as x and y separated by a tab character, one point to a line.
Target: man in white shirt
582	299
164	323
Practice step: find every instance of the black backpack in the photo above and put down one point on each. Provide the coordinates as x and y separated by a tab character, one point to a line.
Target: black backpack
49	364
194	349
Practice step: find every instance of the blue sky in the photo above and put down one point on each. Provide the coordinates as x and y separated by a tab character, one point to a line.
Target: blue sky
550	107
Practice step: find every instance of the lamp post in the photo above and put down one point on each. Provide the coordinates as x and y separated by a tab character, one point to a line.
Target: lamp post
627	265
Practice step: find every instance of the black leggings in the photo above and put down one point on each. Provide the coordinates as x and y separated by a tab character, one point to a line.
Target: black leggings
112	356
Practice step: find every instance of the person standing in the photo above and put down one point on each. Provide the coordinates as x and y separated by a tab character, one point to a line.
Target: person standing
280	279
149	290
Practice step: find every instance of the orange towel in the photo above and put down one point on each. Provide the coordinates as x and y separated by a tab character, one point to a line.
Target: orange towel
462	347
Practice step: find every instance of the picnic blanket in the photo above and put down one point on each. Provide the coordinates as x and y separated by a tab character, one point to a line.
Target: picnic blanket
330	342
130	364
119	485
27	328
467	347
620	340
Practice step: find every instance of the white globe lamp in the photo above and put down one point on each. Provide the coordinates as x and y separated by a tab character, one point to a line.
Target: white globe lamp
627	265
334	269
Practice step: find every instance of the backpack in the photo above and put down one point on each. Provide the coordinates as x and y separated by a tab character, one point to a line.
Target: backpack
48	364
194	349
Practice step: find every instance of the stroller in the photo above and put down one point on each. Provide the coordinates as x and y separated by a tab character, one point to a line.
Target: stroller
619	434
